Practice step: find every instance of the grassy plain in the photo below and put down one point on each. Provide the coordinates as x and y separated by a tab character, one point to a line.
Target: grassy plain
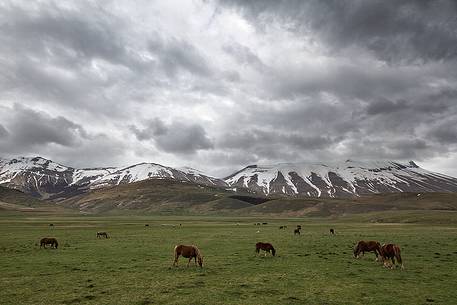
134	265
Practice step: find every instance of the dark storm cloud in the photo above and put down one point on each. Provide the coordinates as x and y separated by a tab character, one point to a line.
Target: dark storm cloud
385	106
153	128
176	137
398	148
175	55
72	57
408	30
445	132
30	128
76	35
260	138
32	132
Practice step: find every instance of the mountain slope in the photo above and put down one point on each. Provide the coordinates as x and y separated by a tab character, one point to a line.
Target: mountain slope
166	196
16	201
345	179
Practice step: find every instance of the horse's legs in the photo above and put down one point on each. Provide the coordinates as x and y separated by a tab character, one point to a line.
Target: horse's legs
175	263
400	261
189	261
195	261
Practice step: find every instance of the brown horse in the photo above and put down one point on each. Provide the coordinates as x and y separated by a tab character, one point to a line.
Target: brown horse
392	252
297	231
367	246
190	252
49	241
267	247
102	234
332	231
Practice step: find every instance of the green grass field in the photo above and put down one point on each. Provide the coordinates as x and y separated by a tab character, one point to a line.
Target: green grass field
134	265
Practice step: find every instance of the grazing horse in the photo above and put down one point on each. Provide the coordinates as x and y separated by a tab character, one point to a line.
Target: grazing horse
367	246
392	252
102	234
297	231
190	252
332	231
49	241
267	247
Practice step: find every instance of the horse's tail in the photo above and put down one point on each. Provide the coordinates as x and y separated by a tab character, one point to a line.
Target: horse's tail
397	253
56	243
273	251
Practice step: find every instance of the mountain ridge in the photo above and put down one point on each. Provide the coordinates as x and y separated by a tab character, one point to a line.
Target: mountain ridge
50	180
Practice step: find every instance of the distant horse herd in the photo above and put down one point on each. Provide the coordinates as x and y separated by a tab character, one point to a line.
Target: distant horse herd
387	252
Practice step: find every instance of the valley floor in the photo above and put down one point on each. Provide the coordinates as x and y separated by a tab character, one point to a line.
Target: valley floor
134	265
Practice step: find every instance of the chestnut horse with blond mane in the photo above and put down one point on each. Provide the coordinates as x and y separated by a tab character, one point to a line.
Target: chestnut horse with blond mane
367	246
392	252
190	252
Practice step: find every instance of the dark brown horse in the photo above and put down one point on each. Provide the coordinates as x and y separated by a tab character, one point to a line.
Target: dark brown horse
332	231
190	252
102	234
392	252
367	246
49	241
297	231
267	247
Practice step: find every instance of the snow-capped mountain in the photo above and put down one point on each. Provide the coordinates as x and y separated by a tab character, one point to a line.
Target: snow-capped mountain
145	171
45	178
349	178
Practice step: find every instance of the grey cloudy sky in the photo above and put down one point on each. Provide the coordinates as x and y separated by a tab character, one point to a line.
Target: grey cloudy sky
218	85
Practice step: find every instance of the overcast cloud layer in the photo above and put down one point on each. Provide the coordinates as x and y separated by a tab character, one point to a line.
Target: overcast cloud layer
219	85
